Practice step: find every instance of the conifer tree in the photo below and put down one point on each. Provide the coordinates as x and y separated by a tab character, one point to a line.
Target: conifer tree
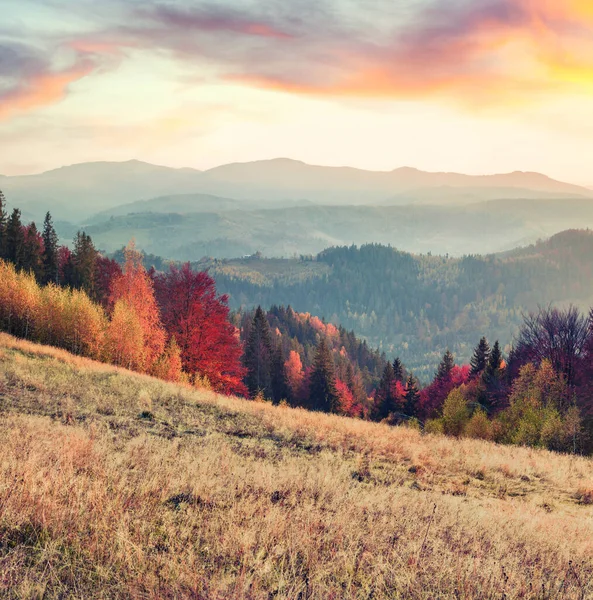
15	239
323	394
258	357
398	370
479	360
445	367
385	402
412	397
278	375
84	264
3	223
51	267
33	252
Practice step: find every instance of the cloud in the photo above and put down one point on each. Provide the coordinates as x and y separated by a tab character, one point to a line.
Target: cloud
29	79
479	52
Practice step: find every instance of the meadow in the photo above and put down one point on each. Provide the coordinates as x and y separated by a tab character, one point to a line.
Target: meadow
119	485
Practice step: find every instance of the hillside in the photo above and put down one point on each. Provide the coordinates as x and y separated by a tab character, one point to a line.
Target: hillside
417	306
118	485
77	192
196	226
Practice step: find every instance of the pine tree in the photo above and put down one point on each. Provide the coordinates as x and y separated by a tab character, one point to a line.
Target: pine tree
412	397
493	368
398	370
323	394
15	239
258	357
446	366
3	223
33	252
51	267
385	395
278	375
479	360
84	263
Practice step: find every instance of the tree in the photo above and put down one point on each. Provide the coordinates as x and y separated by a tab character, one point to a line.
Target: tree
3	224
135	288
15	239
51	266
278	375
106	270
257	357
398	370
455	412
84	264
323	394
479	360
556	335
445	367
198	319
385	401
169	365
33	252
412	397
124	339
294	375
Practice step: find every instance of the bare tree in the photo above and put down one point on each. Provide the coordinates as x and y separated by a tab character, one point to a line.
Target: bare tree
557	335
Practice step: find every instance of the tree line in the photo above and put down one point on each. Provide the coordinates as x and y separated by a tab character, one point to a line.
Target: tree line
418	306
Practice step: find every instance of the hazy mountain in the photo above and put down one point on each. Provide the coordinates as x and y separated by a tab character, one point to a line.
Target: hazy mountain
191	203
487	227
79	191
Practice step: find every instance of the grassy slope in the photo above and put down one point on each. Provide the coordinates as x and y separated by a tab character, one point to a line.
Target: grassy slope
118	485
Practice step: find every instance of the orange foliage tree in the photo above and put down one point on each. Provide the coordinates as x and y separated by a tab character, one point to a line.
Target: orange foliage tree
134	288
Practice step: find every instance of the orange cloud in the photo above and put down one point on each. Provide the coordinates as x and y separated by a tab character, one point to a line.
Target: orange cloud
40	90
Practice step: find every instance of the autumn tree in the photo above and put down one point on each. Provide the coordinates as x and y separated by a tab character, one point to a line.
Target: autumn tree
125	338
556	335
323	395
169	365
134	288
106	270
294	374
3	224
479	359
198	318
51	267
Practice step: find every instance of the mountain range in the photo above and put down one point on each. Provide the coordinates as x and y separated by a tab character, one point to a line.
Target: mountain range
77	192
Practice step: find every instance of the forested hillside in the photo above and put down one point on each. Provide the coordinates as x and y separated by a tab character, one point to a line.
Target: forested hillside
191	229
417	306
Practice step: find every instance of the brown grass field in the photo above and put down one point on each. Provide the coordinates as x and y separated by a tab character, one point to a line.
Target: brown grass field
116	485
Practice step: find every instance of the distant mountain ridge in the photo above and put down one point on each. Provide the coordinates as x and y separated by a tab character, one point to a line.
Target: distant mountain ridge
78	191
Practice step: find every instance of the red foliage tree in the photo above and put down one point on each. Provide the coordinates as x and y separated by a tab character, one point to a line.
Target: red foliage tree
433	396
347	403
106	271
198	318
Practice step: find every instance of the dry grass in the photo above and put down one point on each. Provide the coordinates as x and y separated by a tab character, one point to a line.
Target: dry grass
115	485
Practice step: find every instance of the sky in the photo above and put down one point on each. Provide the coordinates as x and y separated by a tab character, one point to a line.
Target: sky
473	86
